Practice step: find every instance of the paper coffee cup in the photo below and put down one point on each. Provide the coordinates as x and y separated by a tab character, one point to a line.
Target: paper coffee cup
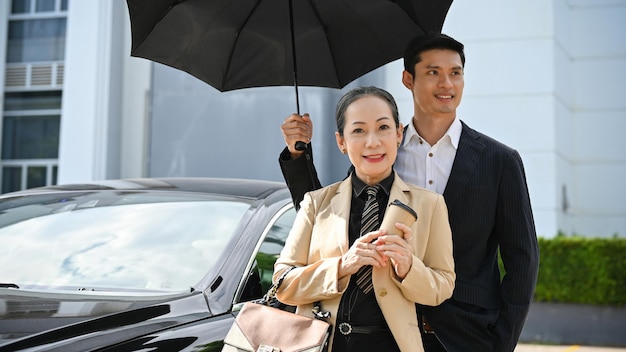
397	212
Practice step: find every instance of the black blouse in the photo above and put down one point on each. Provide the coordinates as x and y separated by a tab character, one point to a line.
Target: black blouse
356	307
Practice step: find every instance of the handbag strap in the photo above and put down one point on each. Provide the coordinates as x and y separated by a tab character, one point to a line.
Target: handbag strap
271	295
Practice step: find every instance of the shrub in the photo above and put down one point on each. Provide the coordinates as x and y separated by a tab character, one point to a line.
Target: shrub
582	270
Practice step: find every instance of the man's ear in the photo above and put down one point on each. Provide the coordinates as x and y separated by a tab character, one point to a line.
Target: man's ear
407	79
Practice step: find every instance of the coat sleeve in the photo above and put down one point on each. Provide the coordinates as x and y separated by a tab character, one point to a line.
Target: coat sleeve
300	174
431	278
519	251
311	280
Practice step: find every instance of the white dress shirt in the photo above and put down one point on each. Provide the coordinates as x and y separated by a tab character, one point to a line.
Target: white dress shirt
424	165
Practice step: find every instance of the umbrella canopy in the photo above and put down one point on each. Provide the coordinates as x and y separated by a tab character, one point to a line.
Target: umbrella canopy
233	44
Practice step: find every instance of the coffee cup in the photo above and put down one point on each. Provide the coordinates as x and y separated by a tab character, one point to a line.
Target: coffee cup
397	212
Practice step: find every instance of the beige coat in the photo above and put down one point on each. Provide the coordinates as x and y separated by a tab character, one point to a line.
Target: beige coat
320	236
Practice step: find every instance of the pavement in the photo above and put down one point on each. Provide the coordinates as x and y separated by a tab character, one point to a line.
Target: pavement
567	324
565	348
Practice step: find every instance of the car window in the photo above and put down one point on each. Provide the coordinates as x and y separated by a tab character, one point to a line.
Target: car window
272	245
116	242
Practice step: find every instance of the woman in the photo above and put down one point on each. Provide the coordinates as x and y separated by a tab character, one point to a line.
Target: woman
327	250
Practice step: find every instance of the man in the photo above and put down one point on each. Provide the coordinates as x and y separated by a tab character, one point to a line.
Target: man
484	185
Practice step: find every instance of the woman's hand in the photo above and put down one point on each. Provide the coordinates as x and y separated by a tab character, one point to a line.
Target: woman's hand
398	250
363	252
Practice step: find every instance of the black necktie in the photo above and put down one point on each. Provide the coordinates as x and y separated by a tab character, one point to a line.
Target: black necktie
369	223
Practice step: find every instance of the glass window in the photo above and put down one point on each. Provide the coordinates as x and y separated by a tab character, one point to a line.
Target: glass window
30	137
272	245
24	6
259	279
36	176
45	5
115	241
11	179
55	172
36	40
20	6
32	100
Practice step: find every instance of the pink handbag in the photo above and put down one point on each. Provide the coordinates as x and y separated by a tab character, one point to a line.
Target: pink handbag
259	327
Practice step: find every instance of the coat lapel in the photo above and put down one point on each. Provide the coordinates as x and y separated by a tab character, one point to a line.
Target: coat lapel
397	190
468	153
340	207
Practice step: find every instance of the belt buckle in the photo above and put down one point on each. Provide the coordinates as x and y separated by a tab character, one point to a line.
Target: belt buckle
345	328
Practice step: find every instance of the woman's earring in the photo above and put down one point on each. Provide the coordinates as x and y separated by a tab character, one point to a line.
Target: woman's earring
343	150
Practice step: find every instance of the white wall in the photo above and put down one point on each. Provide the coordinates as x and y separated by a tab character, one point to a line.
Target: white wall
80	159
96	78
547	78
137	78
598	61
509	88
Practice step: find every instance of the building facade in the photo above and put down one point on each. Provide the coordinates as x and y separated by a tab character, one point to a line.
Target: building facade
34	52
541	76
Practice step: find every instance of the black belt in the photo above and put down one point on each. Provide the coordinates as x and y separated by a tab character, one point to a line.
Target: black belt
347	329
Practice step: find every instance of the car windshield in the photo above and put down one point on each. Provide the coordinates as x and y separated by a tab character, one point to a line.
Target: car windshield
114	241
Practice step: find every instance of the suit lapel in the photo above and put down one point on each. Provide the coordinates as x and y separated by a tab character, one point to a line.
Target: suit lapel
397	190
467	155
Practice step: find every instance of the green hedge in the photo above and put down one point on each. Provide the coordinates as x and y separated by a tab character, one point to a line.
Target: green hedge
582	270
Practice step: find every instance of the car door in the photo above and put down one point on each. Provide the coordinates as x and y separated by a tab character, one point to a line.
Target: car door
260	274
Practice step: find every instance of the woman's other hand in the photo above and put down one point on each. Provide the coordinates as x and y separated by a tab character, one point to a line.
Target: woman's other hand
362	252
398	250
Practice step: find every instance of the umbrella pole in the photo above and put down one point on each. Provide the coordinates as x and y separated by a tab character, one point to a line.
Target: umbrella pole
299	145
293	55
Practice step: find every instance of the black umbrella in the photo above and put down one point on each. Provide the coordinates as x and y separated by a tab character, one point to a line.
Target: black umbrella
233	44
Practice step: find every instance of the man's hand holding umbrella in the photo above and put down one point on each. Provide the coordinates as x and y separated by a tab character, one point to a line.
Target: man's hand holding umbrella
297	128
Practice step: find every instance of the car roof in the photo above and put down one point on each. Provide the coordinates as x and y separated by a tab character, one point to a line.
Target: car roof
248	188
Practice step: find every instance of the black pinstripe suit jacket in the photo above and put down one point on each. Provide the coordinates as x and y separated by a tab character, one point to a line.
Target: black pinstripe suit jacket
489	209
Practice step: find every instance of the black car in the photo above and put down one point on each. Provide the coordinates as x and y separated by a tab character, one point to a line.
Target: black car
136	265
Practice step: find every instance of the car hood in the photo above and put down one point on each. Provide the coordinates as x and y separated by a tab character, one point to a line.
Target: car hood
60	321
